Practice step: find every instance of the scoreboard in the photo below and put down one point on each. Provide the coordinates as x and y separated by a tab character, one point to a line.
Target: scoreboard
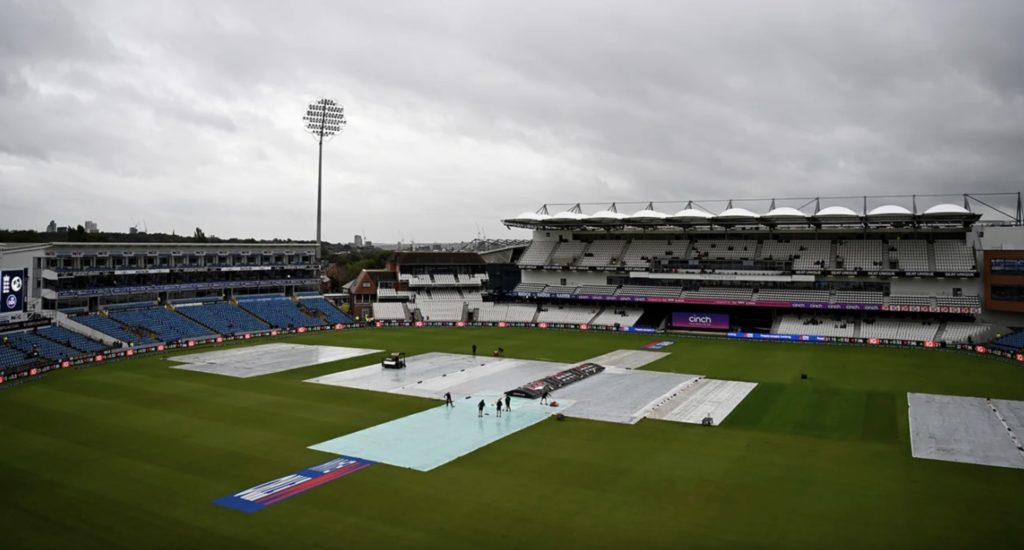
12	291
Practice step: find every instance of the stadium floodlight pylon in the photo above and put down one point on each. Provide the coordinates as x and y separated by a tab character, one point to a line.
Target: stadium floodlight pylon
324	119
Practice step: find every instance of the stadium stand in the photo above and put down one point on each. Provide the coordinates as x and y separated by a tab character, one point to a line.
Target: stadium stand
953	256
640	251
488	312
1012	342
721	292
319	305
899	329
624	317
857	297
441	311
909	255
111	328
602	253
806	255
26	342
859	255
910	300
597	290
795	295
573	315
816	326
528	288
222	317
642	291
537	253
71	339
167	325
961	333
278	311
958	301
559	289
726	249
12	359
390	311
567	253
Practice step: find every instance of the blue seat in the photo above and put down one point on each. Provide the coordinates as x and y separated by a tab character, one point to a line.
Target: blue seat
113	329
71	339
279	311
332	314
223	317
166	324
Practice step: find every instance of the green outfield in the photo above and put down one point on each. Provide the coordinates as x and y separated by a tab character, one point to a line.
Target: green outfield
131	454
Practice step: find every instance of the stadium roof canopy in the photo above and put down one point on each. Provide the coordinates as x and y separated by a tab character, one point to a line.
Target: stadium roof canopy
808	213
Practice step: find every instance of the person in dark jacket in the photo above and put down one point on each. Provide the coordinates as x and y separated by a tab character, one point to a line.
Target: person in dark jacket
480	408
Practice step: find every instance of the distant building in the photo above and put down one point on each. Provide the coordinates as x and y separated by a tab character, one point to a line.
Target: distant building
91	227
133	230
358	240
51	227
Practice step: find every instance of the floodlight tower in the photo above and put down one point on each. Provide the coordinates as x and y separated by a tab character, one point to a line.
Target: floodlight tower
324	118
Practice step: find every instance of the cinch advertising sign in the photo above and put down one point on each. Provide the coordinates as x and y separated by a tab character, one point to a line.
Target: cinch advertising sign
699	320
12	291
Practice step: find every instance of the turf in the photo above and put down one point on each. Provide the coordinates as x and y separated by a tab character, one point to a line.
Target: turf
131	454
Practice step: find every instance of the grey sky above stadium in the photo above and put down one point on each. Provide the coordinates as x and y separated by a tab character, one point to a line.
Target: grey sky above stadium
461	113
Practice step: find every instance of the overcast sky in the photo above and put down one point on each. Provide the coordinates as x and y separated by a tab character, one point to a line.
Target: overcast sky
185	114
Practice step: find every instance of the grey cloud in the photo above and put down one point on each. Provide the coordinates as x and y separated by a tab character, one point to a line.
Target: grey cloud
463	113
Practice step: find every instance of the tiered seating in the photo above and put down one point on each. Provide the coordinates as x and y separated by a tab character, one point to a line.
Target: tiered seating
278	311
953	256
537	253
858	297
386	292
113	329
597	290
71	339
721	292
895	329
857	255
167	325
784	295
331	313
26	341
1013	341
557	289
441	311
910	255
602	253
806	255
958	301
567	253
444	294
611	316
729	249
488	312
473	280
639	252
445	279
816	326
571	315
472	295
223	318
12	358
958	332
529	287
521	313
909	300
642	291
389	311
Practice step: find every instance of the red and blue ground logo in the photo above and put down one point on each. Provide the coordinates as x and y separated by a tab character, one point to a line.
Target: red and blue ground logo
658	345
266	494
